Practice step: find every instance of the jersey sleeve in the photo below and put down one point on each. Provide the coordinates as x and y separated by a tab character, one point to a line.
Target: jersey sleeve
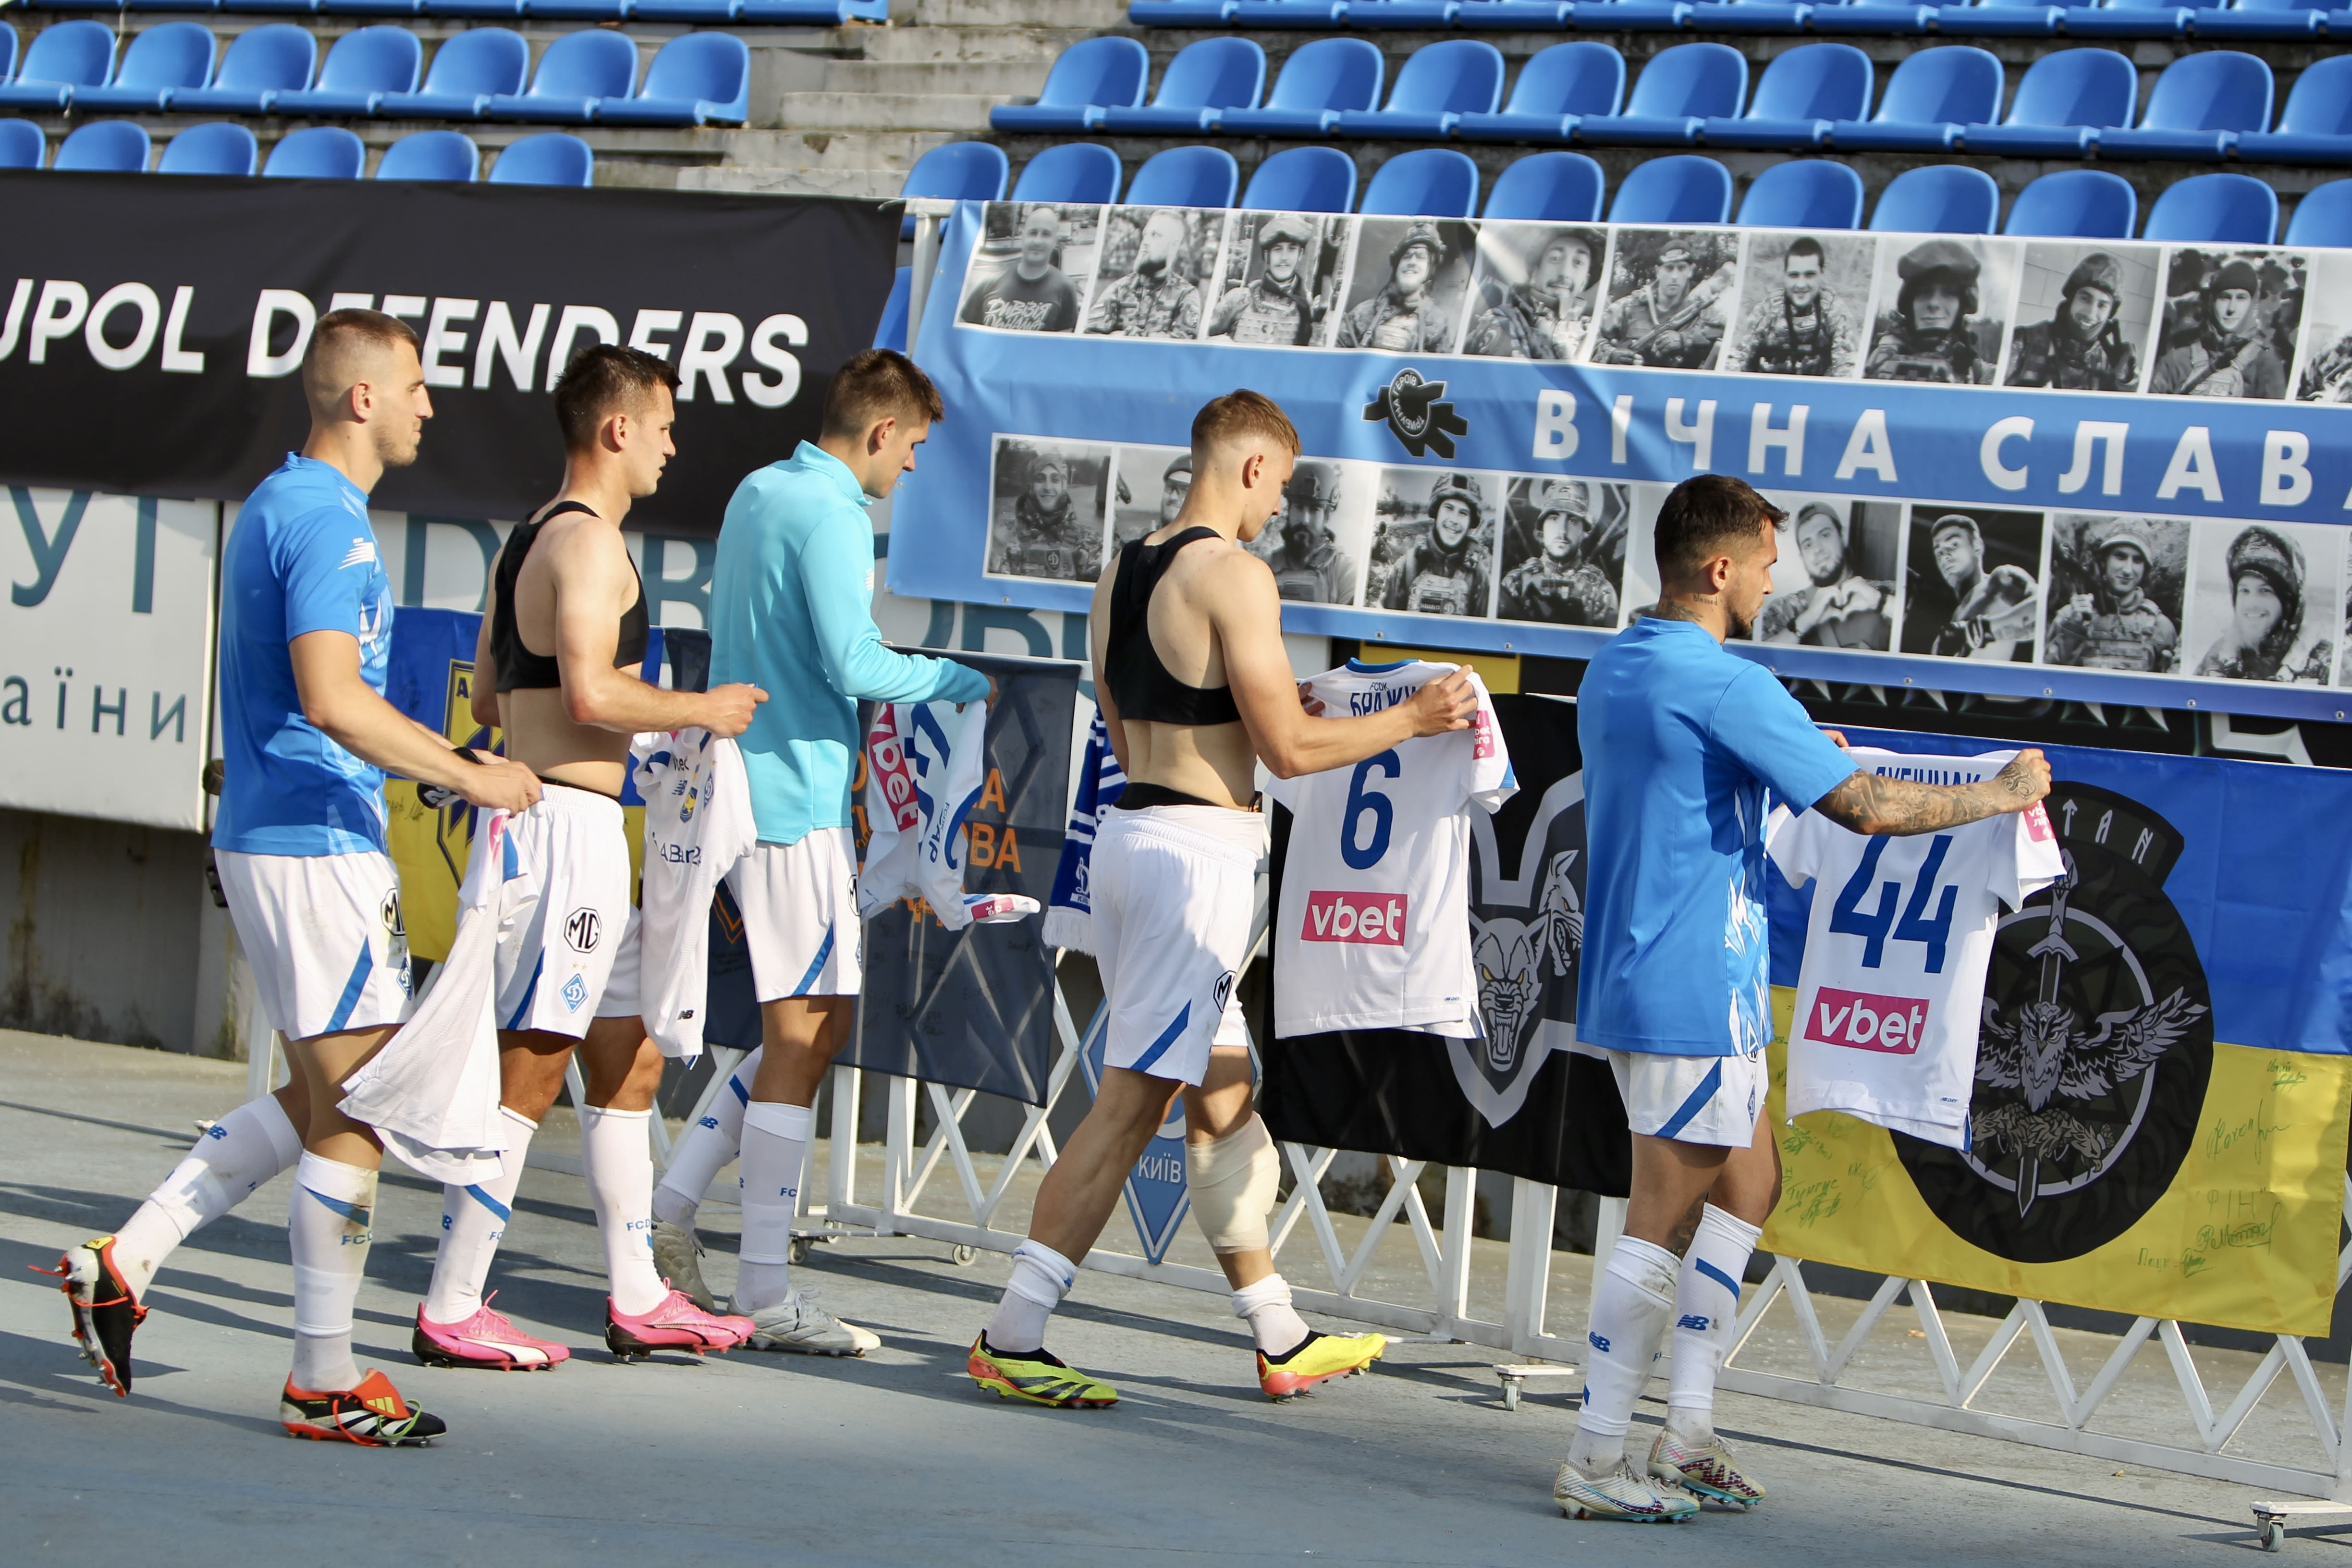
326	560
1492	780
1770	734
1796	841
1284	792
2028	858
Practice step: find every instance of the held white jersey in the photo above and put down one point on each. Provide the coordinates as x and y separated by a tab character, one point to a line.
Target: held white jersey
698	822
926	765
1890	996
1375	923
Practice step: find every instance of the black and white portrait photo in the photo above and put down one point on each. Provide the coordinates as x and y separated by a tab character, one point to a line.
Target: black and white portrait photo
1671	294
1942	307
2083	316
1148	491
1563	551
2264	600
2231	321
1972	582
1280	284
1804	305
1834	584
1030	267
2326	373
1046	509
1433	542
1151	281
2115	590
1408	286
1315	543
1538	287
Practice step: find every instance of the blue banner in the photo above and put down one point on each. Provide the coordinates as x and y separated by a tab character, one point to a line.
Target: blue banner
2107	472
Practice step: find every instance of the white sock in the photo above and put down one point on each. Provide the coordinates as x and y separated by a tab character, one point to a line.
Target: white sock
1632	1305
1706	1305
617	1156
775	1142
1277	1327
472	1219
1041	1278
237	1154
708	1146
327	1229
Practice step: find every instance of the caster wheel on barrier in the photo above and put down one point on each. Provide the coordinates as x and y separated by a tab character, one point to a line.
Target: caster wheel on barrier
1510	1394
799	1249
2274	1535
964	1256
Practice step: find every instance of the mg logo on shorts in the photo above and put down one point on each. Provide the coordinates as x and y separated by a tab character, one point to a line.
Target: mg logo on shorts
390	914
1225	990
1867	1023
582	929
1375	918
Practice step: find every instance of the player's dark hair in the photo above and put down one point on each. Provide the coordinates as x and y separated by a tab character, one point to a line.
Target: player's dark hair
1240	413
1805	244
878	385
1704	515
602	380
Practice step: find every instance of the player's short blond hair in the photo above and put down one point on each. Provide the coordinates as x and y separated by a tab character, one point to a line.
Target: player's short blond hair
1239	416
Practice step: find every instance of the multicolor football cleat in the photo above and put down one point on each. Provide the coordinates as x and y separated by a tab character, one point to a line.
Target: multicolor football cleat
1710	1472
105	1314
372	1416
488	1340
1316	1359
674	1323
1620	1495
1038	1376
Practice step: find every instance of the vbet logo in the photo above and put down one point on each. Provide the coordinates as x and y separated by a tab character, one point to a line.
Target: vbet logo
1377	918
1867	1023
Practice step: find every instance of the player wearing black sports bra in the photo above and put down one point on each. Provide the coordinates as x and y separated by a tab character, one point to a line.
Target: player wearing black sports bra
1195	689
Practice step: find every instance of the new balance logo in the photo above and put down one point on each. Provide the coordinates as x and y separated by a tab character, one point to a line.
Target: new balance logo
1694	1322
1375	918
1600	1343
361	553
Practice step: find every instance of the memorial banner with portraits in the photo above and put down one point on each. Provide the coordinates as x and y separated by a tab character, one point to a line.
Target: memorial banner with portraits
2108	471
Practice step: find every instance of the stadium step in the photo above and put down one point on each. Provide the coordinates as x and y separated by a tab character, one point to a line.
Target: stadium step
1013	79
965	112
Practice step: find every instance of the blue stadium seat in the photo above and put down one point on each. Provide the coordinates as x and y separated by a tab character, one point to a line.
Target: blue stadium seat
2197	109
890	333
61	58
467	71
22	145
1181	12
1801	93
1676	91
695	79
1751	16
1185	177
2316	126
7	53
576	74
1428	182
432	155
2064	99
1684	188
693	13
1548	187
814	13
1889	20
2002	20
218	147
1319	81
2281	19
1942	199
1074	172
1314	14
2215	209
363	66
482	10
1440	83
258	65
1636	17
1803	193
1304	180
2075	204
577	10
549	158
105	147
317	153
1204	79
1931	95
957	172
1087	78
2324	216
1556	86
174	54
1516	15
2129	19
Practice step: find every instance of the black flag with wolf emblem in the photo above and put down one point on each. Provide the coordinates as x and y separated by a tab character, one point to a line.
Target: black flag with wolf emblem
1523	1100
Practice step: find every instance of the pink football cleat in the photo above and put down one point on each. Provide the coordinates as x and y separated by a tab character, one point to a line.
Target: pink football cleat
488	1340
674	1323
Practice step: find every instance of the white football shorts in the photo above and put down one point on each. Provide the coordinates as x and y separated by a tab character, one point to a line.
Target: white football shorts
1173	889
324	937
567	932
800	915
1693	1100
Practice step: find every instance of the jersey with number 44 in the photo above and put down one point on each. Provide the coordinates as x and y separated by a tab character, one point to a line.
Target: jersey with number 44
1890	997
1374	929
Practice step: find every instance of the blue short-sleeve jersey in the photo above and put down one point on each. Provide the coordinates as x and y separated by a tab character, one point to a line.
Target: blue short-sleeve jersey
1682	741
301	558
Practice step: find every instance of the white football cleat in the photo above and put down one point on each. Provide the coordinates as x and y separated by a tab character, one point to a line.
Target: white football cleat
1619	1495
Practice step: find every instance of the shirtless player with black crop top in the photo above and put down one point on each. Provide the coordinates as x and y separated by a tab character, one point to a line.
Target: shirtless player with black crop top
558	669
1196	691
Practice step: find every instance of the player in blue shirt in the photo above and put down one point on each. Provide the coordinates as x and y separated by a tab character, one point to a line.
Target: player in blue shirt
1686	746
299	841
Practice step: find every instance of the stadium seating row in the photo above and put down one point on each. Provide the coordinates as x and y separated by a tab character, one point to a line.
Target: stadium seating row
2275	19
2075	103
584	76
315	153
756	13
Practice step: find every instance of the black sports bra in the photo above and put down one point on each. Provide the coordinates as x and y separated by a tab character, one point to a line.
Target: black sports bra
519	669
1139	683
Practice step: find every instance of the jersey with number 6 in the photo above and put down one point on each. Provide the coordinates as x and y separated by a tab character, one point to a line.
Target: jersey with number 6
1890	997
1374	929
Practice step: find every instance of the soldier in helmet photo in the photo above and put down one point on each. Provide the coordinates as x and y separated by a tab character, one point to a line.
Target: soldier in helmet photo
1837	605
2267	603
2230	326
2090	322
1156	297
1418	309
1303	544
1277	308
1535	290
1802	321
1557	581
1938	329
2121	578
1047	520
1668	300
1152	484
1974	588
1433	556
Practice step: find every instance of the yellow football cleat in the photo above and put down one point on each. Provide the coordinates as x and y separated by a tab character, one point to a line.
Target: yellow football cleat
1039	1377
1320	1356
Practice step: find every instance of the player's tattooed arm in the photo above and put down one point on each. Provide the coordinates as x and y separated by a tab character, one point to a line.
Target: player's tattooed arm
1870	804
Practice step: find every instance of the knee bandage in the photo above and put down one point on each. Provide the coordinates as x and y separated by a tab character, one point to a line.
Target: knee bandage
1233	1181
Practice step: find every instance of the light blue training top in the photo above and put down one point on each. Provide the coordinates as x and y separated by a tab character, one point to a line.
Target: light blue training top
1681	741
300	558
792	612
